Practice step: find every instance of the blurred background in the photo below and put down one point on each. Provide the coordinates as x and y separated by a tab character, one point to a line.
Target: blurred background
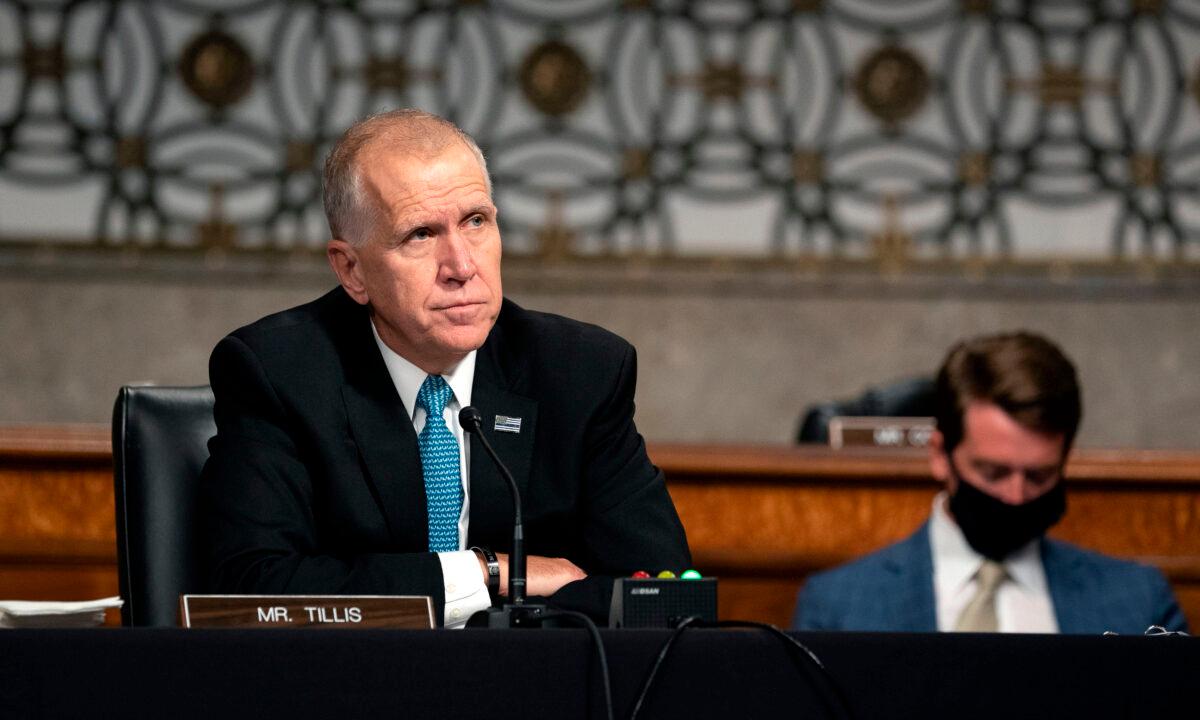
779	203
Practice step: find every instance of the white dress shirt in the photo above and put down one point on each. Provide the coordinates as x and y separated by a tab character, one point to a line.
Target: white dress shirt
1023	603
466	588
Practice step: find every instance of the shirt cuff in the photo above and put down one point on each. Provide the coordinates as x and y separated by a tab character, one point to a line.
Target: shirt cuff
466	590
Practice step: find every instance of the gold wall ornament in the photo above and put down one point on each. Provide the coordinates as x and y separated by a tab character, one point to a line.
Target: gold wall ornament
892	243
555	78
394	74
130	152
216	233
1145	169
723	81
975	168
386	74
1062	85
808	167
554	238
636	163
892	84
299	156
47	61
216	68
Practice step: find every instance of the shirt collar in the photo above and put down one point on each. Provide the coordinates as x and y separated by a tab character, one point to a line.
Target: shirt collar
956	562
408	378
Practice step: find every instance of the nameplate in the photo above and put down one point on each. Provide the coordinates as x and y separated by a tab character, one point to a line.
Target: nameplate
404	612
893	432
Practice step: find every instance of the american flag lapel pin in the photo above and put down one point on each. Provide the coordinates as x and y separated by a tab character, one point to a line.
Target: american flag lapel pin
508	424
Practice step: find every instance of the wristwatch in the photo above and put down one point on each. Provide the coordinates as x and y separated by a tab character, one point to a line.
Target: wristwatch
493	571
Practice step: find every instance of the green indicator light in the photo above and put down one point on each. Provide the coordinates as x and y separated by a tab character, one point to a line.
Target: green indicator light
666	575
690	575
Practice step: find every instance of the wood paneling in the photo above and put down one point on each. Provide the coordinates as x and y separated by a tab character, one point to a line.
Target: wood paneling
57	524
760	518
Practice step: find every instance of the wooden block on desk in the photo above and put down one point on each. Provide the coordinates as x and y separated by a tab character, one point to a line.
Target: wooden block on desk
890	432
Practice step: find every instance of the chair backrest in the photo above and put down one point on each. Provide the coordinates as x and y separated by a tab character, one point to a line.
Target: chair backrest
906	398
160	444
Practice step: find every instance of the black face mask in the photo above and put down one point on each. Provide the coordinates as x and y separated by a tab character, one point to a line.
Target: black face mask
995	528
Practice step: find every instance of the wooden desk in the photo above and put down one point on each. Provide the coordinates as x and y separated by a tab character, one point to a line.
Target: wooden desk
760	518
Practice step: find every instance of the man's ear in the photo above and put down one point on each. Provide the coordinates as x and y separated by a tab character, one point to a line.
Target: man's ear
939	462
343	258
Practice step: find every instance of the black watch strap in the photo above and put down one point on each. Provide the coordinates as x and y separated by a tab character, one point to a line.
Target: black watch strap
493	571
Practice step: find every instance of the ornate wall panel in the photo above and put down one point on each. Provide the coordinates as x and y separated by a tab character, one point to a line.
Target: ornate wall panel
970	134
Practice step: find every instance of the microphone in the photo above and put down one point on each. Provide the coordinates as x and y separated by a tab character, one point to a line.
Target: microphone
516	613
471	421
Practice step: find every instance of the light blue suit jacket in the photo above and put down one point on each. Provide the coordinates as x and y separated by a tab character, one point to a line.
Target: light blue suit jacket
891	590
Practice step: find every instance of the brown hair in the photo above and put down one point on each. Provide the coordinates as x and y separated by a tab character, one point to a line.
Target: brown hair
1024	374
349	213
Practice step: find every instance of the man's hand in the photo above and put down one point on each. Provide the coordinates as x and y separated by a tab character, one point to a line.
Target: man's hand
543	575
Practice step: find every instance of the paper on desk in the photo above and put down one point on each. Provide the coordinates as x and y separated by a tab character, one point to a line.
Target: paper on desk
51	613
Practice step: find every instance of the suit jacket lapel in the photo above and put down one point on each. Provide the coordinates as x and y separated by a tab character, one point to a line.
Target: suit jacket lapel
491	500
383	432
913	607
1073	609
387	442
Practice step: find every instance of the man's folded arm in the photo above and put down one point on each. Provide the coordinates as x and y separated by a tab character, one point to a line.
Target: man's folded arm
630	520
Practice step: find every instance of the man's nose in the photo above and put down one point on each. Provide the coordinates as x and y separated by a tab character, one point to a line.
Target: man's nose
457	262
1015	489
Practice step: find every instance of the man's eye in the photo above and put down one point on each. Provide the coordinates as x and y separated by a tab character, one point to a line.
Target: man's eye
1041	476
993	473
475	221
420	234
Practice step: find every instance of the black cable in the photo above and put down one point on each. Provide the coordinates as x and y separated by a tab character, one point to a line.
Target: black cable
835	690
595	633
796	648
662	655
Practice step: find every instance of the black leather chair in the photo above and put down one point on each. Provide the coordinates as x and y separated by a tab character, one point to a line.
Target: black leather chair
160	444
907	398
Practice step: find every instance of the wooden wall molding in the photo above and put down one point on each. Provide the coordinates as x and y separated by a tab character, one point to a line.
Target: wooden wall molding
82	443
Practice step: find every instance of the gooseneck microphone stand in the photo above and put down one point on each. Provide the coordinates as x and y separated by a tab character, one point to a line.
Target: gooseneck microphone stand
516	612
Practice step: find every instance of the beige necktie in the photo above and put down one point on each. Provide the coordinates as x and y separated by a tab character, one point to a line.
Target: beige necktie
980	614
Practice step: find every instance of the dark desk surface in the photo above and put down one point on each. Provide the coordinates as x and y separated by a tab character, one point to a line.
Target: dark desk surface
553	673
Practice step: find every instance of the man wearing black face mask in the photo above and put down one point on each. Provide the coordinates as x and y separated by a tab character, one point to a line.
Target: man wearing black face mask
1007	410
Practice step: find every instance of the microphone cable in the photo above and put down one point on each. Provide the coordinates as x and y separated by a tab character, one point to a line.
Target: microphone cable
798	650
600	654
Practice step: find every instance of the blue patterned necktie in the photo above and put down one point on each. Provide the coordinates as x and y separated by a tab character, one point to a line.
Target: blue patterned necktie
439	465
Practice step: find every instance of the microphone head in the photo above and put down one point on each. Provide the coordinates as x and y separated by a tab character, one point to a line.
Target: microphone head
470	419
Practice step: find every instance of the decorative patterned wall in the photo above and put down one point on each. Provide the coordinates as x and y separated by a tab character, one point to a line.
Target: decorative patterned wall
968	134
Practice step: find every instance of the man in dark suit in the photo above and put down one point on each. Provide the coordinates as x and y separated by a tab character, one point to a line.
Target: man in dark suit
1007	410
339	466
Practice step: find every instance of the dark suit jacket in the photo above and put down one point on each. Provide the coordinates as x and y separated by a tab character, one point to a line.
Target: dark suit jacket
314	482
891	590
